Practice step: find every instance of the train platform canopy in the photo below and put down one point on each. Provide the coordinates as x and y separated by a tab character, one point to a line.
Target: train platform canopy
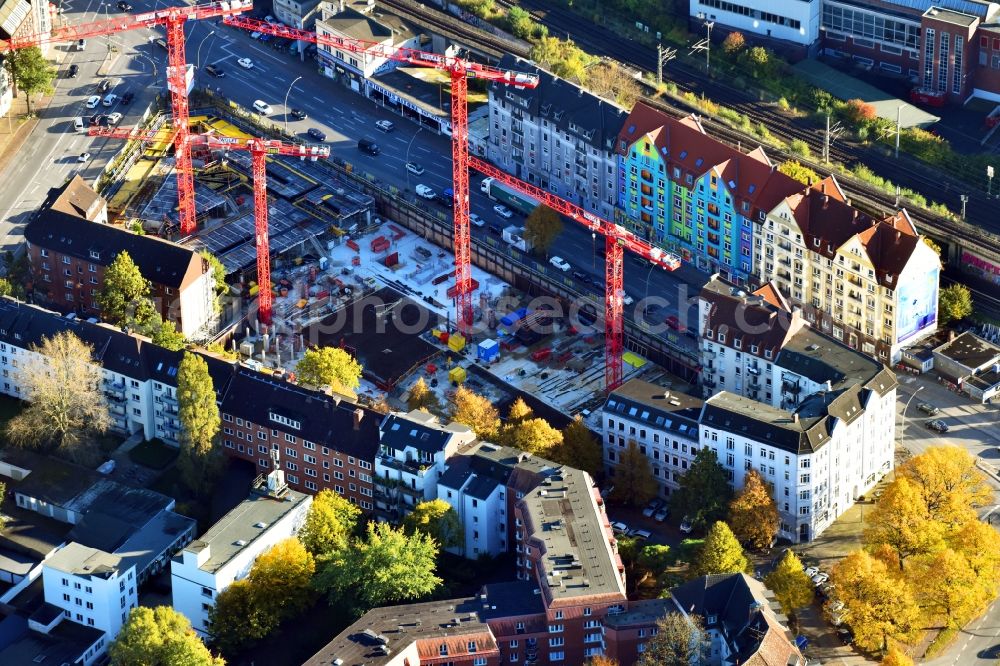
845	87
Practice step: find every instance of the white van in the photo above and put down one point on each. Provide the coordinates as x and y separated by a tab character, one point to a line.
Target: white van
79	125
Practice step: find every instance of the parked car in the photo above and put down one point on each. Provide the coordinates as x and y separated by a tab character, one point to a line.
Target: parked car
298	114
686	525
316	134
84	157
245	63
74	69
503	211
127	98
367	145
124	6
563	265
654	504
215	71
626	299
415	168
619	528
811	571
820	578
476	221
928	409
104	86
424	192
262	107
640	534
255	34
662	514
110	99
845	635
114	118
98	120
93	101
937	425
385	125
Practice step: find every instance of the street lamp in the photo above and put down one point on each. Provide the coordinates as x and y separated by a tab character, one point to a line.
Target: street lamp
200	44
903	419
593	243
287	93
899	111
989	182
408	146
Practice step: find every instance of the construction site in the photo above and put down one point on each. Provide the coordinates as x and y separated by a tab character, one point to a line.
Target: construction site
343	275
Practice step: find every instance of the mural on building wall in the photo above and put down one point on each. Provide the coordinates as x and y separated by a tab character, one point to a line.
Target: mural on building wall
918	298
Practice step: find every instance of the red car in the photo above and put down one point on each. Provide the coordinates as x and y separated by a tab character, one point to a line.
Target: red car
673	322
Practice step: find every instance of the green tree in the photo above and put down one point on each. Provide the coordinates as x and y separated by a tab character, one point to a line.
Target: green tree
721	553
218	274
235	621
162	332
30	72
476	412
634	481
679	641
803	174
704	491
329	525
329	366
6	289
563	58
421	397
159	637
533	435
791	586
734	43
124	297
753	514
541	228
519	22
612	81
438	520
979	542
954	303
66	404
579	448
385	567
880	606
759	59
200	457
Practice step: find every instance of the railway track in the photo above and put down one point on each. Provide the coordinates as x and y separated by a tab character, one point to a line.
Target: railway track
455	28
943	229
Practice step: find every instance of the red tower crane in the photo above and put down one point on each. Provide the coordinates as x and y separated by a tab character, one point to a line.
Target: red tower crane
617	240
460	71
259	149
172	18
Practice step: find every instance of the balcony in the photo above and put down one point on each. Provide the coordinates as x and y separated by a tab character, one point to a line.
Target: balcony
754	384
855	280
708	353
784	274
116	408
785	261
407	466
753	370
854	296
394	489
791	387
115	396
785	245
708	383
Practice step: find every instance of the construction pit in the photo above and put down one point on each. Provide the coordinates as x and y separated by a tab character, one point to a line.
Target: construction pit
343	276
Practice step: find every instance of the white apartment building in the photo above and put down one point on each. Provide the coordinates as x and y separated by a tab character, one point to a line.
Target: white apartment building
793	21
870	283
558	137
91	587
226	552
413	449
662	423
474	484
139	378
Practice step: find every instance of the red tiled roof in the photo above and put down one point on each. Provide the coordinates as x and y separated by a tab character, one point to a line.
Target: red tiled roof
769	292
683	143
429	649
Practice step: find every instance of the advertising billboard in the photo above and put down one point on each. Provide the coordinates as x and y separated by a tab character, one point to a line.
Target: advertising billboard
918	297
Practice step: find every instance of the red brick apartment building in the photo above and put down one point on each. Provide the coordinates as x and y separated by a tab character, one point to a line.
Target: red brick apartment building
951	47
320	441
68	255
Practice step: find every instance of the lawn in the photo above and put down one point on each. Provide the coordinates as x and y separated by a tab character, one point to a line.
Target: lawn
153	454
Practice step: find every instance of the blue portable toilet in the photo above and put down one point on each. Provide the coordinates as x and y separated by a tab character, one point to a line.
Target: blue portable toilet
488	351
